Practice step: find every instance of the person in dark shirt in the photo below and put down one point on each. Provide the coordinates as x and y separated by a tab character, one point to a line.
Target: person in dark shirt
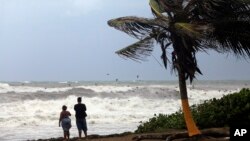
81	115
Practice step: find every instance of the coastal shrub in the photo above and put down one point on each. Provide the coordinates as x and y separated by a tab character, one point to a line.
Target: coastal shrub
230	110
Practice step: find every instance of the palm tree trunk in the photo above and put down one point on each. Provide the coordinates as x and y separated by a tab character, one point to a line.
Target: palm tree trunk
191	126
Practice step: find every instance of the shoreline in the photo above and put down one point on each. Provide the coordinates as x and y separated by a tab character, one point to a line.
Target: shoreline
210	134
33	122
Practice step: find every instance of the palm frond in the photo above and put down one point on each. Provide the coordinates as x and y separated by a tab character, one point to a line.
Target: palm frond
165	8
209	10
189	26
232	36
229	21
171	5
163	38
139	50
156	8
138	27
245	1
193	30
183	57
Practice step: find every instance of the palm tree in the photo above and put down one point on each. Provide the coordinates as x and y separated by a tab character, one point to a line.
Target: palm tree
184	27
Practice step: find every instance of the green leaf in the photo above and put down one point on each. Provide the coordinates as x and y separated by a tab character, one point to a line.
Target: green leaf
156	7
138	50
138	27
193	30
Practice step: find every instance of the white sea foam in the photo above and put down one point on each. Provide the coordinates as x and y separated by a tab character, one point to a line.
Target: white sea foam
5	88
4	85
111	109
64	82
108	88
125	114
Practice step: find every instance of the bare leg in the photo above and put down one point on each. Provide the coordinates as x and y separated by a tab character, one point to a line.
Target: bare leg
68	134
80	134
85	133
65	134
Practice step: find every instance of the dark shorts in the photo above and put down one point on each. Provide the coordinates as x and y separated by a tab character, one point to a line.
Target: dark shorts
66	124
81	124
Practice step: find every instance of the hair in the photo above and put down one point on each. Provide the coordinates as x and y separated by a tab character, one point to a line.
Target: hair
64	108
79	99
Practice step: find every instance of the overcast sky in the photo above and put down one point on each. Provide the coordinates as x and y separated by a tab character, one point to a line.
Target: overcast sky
69	40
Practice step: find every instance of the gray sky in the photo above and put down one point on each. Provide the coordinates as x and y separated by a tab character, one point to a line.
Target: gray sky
59	40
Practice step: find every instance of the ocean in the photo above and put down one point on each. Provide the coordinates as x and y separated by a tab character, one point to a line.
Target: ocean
30	110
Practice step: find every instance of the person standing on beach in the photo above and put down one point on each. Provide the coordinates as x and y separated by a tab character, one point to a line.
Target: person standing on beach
81	115
65	121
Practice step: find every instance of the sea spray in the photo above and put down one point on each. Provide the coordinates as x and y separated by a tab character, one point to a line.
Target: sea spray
31	110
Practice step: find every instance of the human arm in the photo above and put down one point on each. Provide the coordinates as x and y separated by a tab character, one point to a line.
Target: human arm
60	118
69	114
85	108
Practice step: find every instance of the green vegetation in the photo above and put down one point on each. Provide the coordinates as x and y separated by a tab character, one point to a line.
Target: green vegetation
232	109
184	27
